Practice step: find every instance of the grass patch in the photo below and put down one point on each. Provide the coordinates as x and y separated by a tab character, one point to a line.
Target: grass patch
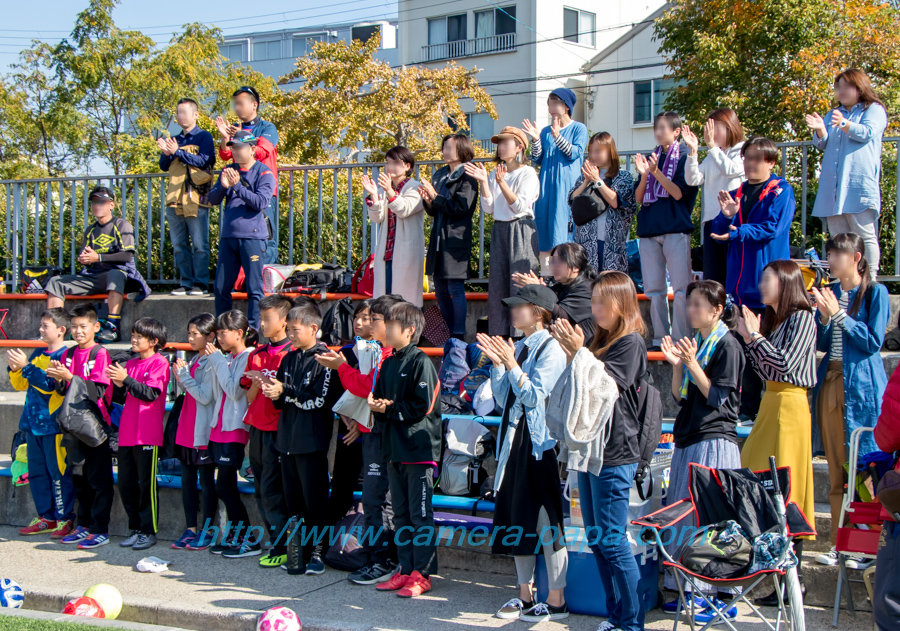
16	623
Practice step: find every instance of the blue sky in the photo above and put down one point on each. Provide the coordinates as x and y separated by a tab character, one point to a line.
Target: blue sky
52	20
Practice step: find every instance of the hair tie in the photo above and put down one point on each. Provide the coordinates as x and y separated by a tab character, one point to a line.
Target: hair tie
729	303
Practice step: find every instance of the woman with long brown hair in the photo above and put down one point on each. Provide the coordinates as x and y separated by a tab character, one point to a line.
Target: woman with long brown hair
603	183
782	350
721	170
849	196
604	486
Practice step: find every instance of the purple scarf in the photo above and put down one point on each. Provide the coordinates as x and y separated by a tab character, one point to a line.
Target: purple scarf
654	189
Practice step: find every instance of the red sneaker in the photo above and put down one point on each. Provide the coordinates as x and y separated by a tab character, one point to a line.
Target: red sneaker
38	526
397	581
63	529
415	586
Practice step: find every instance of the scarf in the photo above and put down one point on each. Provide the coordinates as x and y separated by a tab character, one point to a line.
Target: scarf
706	348
654	189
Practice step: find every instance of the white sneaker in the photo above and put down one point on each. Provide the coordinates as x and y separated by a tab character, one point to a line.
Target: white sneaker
198	291
179	291
859	562
828	558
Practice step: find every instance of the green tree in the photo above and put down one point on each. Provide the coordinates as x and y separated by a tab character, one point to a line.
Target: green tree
348	101
774	61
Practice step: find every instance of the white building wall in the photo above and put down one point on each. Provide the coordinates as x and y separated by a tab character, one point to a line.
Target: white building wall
613	92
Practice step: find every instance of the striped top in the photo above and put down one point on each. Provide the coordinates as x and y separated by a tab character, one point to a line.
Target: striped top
537	148
787	354
837	331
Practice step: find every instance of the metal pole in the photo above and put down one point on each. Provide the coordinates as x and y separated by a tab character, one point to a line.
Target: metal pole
803	215
150	228
8	233
17	209
897	214
62	212
334	214
49	225
291	217
162	225
37	222
319	220
305	212
72	240
350	218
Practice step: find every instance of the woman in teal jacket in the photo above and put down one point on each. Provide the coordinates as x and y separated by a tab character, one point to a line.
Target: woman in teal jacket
852	318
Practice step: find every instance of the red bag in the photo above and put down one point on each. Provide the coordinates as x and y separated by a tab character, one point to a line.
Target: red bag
363	281
239	283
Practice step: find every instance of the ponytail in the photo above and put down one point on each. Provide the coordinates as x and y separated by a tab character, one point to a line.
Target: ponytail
715	295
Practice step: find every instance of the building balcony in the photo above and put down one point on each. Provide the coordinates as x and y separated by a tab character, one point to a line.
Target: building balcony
470	47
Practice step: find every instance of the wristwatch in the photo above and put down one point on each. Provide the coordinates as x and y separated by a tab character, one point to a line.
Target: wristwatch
755	335
844	123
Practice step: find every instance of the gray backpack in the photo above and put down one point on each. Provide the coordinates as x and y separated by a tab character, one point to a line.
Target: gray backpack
467	443
79	414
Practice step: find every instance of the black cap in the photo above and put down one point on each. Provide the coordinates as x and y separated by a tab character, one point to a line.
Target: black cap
538	295
249	90
243	137
102	193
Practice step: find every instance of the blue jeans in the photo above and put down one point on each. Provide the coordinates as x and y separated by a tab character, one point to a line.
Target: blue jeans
190	242
235	254
271	255
451	299
388	276
601	246
604	505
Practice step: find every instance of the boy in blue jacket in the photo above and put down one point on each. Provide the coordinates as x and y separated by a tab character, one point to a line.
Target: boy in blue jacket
247	185
756	219
48	476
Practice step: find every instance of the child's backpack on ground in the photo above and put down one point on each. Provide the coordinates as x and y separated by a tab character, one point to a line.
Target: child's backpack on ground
363	281
337	323
347	553
466	444
327	277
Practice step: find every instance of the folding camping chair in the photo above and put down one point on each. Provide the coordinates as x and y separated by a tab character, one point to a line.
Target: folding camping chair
739	495
851	539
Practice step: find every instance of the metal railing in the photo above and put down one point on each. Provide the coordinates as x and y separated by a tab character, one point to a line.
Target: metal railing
469	47
321	215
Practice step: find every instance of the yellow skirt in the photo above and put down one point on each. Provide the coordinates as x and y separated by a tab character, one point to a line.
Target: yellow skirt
783	429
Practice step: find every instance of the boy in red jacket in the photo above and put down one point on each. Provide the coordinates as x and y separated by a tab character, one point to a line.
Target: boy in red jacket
381	564
886	597
262	417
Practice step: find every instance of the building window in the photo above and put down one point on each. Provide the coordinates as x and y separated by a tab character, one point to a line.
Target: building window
236	51
267	50
447	29
501	21
303	46
578	27
364	33
650	98
481	128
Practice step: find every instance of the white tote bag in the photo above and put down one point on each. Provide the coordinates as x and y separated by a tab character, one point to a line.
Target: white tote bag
349	405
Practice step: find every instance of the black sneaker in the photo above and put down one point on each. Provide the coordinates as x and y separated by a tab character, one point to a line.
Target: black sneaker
243	548
542	611
371	574
226	544
108	334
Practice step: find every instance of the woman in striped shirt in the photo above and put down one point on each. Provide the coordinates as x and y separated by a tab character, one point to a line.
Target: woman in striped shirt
782	350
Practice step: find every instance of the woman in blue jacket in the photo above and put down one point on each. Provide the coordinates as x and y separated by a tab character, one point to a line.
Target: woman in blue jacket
852	318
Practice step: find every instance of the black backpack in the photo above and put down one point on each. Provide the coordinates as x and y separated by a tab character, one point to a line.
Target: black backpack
650	418
329	277
79	414
337	323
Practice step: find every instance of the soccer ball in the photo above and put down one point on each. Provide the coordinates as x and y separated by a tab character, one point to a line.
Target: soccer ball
108	597
85	607
278	619
11	594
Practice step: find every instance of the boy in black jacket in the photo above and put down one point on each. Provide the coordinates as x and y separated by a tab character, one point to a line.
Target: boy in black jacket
406	403
305	392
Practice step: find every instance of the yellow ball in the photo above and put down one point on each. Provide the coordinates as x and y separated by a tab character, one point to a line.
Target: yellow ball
108	597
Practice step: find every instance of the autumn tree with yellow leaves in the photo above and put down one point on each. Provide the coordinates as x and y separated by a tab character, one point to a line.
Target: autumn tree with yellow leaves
348	102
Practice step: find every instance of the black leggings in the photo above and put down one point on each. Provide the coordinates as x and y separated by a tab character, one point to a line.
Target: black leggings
227	490
189	499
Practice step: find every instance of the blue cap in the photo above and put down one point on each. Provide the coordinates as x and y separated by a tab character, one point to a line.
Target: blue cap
566	96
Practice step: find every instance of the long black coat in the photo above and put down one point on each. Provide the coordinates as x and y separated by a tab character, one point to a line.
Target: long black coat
450	246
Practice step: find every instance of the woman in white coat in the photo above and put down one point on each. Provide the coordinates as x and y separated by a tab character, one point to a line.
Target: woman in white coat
721	170
400	215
